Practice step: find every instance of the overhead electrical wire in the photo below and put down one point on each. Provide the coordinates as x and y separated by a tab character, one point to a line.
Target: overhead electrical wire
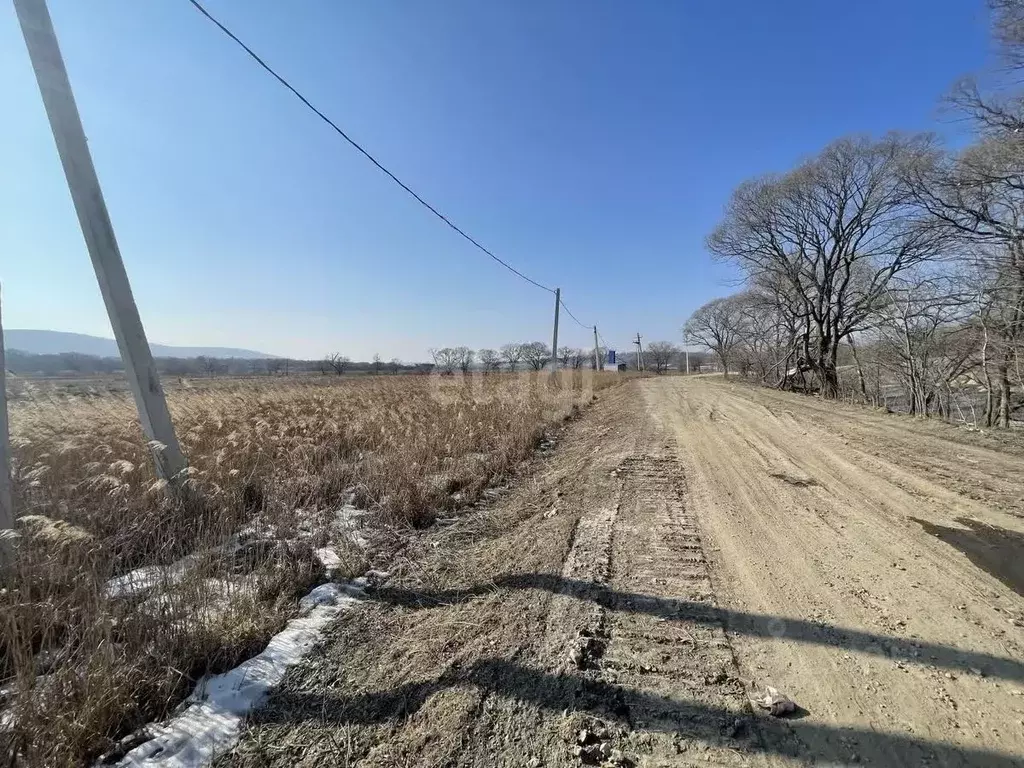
364	152
570	314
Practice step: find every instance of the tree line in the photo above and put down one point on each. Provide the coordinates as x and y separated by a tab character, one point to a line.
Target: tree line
69	364
658	357
888	265
531	356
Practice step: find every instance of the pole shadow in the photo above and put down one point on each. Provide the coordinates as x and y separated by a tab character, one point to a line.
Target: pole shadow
751	624
611	702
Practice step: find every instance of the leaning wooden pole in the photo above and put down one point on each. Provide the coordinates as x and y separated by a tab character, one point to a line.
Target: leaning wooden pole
68	133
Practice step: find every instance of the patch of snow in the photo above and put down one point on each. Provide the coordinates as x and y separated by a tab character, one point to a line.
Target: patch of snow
333	593
328	557
347	522
148	576
139	580
212	716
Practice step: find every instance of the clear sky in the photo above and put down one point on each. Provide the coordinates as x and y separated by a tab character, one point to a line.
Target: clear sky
591	143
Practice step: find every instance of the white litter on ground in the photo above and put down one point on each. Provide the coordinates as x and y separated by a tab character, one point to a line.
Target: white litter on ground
211	718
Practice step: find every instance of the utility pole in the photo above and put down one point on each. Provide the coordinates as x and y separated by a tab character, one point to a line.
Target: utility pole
69	135
554	336
6	502
639	352
598	365
686	350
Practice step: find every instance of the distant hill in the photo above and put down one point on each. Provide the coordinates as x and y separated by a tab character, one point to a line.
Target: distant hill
56	342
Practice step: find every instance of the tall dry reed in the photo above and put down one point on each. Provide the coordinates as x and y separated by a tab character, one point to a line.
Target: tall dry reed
81	666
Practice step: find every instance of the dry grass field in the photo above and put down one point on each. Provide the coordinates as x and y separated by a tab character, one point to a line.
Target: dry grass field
224	559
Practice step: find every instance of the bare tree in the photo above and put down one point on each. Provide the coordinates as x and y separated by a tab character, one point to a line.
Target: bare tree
209	365
512	354
918	339
536	354
337	363
377	363
833	233
1001	320
660	354
489	359
716	327
465	359
578	358
767	326
699	360
275	365
1008	28
446	359
977	194
394	364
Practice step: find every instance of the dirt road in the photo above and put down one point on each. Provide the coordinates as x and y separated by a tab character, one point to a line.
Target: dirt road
688	542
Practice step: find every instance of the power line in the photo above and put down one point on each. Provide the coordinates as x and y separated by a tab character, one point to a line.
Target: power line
570	314
366	154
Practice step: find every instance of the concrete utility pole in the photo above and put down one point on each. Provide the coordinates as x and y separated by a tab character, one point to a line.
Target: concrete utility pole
598	364
554	336
6	502
686	351
639	353
66	124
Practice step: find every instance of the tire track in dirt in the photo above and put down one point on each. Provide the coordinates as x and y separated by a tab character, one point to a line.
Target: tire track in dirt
665	641
656	679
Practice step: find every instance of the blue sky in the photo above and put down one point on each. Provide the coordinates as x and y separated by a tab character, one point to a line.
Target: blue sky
591	143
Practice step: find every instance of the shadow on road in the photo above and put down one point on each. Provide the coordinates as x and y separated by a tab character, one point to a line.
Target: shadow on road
753	624
993	549
557	692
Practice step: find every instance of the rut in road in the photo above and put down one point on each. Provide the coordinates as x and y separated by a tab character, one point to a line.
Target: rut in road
666	636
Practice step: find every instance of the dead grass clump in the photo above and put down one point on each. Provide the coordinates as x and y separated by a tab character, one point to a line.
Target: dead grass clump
218	567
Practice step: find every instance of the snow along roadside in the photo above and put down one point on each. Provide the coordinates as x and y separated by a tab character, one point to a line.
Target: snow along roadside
211	718
346	523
